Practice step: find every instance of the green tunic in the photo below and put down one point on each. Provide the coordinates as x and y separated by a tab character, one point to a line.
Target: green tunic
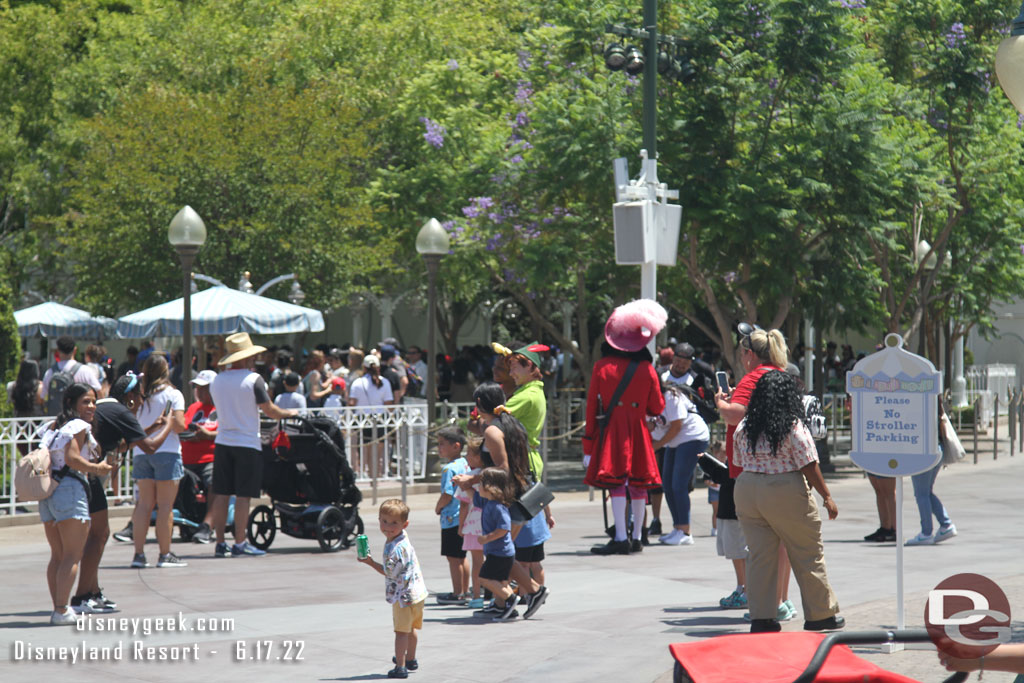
529	406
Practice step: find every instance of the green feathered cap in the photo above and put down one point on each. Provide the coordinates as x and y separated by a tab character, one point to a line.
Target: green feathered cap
532	352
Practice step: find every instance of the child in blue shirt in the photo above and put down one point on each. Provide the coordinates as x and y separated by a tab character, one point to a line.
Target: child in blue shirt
450	441
495	496
404	587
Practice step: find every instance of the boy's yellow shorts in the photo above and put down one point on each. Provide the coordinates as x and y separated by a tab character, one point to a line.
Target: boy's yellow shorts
407	618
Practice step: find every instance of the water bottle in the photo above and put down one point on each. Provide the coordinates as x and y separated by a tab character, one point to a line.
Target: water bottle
362	546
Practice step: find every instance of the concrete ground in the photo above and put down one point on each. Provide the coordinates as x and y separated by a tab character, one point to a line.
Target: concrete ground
304	615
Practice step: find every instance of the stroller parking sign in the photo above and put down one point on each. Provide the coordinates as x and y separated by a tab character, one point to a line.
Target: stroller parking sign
895	411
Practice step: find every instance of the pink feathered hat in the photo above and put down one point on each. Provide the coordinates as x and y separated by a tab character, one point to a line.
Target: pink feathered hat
632	326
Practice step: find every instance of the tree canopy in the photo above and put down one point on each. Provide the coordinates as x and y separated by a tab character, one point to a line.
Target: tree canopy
819	143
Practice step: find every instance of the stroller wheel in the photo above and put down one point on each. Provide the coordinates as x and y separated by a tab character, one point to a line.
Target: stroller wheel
356	528
330	529
262	528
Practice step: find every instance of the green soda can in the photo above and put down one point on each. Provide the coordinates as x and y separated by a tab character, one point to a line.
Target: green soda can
362	546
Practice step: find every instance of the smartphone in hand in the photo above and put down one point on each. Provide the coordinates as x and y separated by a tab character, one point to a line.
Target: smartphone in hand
723	381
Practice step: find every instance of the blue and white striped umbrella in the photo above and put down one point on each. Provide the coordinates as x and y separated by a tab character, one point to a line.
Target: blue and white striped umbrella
221	310
52	319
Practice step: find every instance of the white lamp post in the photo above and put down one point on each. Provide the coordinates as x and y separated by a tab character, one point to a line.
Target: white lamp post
187	233
432	243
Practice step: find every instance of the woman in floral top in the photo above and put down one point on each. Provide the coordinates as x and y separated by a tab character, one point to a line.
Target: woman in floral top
774	503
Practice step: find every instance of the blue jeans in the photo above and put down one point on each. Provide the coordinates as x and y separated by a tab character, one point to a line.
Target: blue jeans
928	503
677	470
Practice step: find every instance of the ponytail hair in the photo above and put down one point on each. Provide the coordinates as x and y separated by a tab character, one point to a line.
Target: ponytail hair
769	346
374	372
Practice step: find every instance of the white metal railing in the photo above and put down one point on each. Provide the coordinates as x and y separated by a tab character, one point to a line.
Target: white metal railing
387	446
998	379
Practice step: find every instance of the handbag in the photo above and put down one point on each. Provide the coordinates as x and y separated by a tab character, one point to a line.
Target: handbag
33	479
535	499
952	450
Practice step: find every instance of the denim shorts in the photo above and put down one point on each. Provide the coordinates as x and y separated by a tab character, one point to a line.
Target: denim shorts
68	501
158	466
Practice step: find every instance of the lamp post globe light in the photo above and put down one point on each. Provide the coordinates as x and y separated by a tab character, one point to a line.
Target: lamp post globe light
187	233
432	243
1010	63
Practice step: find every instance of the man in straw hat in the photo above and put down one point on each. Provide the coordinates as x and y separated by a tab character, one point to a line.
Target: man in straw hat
239	394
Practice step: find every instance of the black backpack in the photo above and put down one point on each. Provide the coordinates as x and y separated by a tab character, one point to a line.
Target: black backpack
60	380
702	394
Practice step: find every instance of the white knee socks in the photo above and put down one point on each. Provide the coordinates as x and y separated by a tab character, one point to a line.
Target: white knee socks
638	517
619	515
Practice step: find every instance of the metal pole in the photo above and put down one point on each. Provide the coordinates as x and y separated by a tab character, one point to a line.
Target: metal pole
187	255
651	78
995	428
977	411
433	261
900	612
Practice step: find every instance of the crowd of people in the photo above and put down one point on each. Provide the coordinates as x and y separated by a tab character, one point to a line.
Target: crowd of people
647	427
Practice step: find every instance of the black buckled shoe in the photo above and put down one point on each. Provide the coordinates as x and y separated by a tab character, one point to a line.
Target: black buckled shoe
612	548
765	625
833	623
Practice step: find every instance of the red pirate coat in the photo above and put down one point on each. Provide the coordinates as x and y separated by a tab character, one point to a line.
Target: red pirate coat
624	454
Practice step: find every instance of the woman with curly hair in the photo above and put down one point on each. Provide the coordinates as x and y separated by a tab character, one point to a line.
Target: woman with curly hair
774	504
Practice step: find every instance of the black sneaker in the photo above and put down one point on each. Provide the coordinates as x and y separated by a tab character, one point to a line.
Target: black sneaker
489	611
99	598
204	534
534	602
125	534
833	623
612	548
636	546
655	528
509	613
888	537
398	672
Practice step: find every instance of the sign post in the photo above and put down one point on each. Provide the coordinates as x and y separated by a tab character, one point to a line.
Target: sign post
894	419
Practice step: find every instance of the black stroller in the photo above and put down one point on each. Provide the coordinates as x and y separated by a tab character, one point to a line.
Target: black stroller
311	486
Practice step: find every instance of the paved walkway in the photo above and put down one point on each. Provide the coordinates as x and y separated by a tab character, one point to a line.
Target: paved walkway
608	619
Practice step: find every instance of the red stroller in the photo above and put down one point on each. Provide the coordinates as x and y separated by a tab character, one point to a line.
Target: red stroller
780	658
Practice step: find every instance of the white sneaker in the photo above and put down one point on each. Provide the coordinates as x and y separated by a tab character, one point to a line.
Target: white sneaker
945	533
685	539
63	618
921	539
671	538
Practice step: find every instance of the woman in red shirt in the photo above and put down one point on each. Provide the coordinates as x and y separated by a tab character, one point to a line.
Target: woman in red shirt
617	450
760	352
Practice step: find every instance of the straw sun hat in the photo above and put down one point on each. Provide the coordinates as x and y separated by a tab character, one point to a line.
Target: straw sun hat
239	347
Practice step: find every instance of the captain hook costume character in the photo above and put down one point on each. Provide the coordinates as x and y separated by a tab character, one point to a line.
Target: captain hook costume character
624	390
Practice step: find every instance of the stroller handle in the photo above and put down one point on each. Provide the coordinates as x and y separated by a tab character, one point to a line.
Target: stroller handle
866	638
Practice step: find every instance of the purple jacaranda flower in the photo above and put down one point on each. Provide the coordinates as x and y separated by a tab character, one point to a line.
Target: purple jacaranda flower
852	4
523	92
516	159
495	217
773	83
955	36
523	58
730	277
521	120
452	65
435	132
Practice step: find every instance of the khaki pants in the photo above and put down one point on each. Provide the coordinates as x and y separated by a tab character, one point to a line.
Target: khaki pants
779	507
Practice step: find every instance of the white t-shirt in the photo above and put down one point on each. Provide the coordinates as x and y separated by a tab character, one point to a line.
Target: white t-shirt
58	444
367	394
153	408
679	407
291	400
334	401
237	394
684	381
83	374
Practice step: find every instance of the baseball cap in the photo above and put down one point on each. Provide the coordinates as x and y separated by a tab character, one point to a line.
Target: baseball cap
371	359
684	350
338	382
204	378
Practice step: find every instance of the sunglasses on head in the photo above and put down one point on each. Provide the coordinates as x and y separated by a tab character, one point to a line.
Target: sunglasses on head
746	329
